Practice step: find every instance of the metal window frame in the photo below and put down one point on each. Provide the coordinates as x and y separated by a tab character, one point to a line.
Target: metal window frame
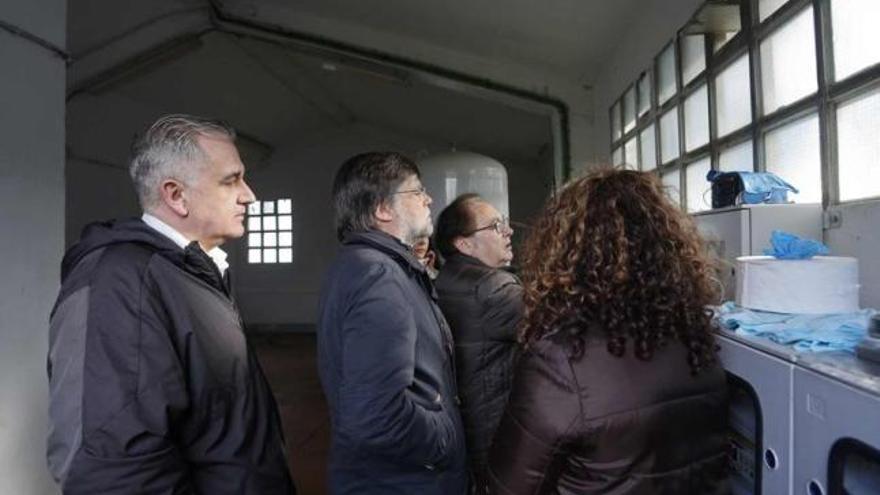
830	94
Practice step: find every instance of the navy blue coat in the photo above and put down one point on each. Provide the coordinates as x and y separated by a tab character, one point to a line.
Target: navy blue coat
385	356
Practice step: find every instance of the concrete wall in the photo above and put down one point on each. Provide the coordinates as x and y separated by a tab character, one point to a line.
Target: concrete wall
32	201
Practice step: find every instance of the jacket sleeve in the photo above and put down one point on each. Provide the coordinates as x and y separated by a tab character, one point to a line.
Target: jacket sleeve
501	294
379	409
115	385
528	450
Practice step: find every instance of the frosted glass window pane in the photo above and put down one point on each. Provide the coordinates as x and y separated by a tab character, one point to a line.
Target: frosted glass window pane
858	128
696	119
649	151
698	199
629	110
615	121
268	207
666	74
617	156
733	97
672	182
285	255
767	7
255	255
284	207
270	239
737	158
254	223
285	222
269	223
788	62
792	152
644	94
270	256
630	155
856	39
669	136
254	208
693	57
285	239
255	240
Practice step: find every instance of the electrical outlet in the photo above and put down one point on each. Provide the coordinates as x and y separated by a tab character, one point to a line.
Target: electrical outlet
832	219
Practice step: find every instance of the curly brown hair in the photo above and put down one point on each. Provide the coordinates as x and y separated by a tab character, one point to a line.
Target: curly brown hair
612	255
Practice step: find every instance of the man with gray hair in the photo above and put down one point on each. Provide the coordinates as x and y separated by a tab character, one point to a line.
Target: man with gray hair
153	387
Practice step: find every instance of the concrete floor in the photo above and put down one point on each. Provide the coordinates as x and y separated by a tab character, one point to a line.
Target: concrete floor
289	362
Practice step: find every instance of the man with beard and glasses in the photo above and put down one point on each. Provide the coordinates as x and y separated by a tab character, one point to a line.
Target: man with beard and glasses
385	352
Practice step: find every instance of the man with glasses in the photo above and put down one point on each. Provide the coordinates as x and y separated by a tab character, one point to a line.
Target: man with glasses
385	352
483	303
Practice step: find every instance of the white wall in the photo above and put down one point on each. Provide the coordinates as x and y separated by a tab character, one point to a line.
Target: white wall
276	296
32	201
859	236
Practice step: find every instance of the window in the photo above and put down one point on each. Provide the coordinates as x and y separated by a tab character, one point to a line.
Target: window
733	97
629	110
644	86
648	149
615	122
696	119
270	236
701	107
856	37
666	74
697	187
630	154
669	136
737	158
788	62
767	7
792	153
672	182
693	57
858	126
616	158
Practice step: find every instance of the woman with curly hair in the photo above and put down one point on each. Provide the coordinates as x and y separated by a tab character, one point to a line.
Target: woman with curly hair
620	390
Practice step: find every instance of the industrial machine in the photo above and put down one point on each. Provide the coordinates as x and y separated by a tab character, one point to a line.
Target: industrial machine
800	423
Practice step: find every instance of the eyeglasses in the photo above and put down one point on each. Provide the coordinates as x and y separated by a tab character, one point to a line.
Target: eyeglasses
500	225
419	191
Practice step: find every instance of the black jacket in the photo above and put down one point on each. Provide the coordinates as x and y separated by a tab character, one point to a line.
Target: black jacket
153	387
386	365
607	425
483	306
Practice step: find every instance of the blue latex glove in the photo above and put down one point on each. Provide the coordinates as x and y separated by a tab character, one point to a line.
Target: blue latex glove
791	247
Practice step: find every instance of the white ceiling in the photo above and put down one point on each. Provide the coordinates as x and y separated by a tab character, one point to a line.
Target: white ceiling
279	95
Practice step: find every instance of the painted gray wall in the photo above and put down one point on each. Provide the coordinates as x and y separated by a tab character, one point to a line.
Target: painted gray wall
32	84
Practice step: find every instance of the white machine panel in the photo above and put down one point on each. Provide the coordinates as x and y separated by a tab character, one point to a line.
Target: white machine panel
745	231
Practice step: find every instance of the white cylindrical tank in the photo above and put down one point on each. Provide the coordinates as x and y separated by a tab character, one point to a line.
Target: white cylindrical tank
449	175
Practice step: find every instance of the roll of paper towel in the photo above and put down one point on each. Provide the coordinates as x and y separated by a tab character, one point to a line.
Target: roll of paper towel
822	284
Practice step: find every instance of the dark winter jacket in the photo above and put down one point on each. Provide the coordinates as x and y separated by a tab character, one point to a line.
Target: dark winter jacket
609	425
387	368
483	306
153	387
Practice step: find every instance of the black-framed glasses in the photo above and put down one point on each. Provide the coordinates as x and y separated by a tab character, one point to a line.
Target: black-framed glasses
500	225
419	191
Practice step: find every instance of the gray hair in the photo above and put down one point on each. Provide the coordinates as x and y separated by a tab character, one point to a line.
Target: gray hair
169	150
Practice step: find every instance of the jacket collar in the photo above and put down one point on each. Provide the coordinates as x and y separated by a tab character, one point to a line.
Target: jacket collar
466	260
388	244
